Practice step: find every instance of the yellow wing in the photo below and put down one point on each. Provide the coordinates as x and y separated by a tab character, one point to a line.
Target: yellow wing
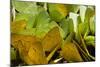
70	53
30	49
51	39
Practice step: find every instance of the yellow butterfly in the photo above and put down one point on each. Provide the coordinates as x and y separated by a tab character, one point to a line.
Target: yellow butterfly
18	26
70	52
30	49
51	39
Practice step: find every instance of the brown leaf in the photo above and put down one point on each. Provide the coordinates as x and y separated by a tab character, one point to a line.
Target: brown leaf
51	39
30	49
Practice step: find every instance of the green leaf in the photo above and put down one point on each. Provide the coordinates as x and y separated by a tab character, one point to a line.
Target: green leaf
67	25
79	20
22	16
42	23
72	8
77	37
92	25
88	14
26	7
57	11
42	19
90	40
27	11
31	22
27	17
82	12
83	28
74	16
69	38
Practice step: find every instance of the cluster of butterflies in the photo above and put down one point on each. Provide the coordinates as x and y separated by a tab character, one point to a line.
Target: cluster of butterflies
37	34
32	49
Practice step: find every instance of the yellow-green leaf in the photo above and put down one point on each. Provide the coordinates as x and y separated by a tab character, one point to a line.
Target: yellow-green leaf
57	11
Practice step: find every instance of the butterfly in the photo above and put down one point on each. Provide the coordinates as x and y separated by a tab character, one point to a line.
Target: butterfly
30	49
70	52
52	39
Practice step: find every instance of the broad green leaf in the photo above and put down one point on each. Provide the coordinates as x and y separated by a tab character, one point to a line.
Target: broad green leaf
42	19
27	17
67	25
42	23
72	8
31	17
57	11
22	16
31	22
26	7
27	11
